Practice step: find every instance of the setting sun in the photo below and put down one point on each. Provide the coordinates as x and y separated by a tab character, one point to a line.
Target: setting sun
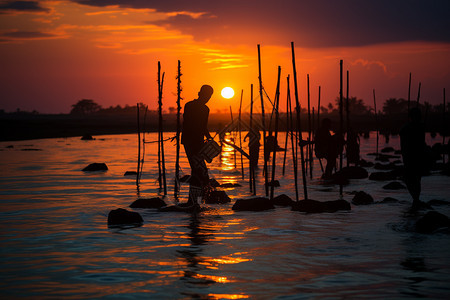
227	93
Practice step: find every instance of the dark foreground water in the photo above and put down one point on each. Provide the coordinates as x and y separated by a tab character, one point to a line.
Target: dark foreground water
55	242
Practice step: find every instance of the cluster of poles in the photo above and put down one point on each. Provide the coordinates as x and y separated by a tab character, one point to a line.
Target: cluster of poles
293	131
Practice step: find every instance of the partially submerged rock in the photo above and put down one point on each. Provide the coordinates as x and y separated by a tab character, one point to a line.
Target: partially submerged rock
217	197
362	198
394	185
148	203
283	200
383	176
387	150
253	204
130	173
229	185
432	221
274	183
96	167
122	216
314	206
87	137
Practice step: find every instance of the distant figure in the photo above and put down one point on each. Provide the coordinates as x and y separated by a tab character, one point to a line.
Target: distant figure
413	148
270	146
327	146
195	121
253	145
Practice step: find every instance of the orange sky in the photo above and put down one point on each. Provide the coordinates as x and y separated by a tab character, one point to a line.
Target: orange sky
54	53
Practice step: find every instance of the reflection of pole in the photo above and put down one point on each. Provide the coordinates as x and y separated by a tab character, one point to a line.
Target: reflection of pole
234	150
277	102
376	117
240	134
139	147
299	127
263	121
177	160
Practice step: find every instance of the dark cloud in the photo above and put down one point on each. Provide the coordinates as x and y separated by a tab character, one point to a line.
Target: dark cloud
28	6
28	35
319	23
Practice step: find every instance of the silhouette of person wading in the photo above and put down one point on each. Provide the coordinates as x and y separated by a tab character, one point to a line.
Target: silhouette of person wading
195	122
415	158
327	146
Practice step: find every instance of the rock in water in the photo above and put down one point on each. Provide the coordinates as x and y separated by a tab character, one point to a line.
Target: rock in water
362	198
395	185
335	205
283	200
253	204
148	203
122	216
217	197
87	137
130	173
96	167
432	221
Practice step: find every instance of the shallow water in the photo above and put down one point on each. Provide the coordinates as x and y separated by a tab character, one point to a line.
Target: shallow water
56	242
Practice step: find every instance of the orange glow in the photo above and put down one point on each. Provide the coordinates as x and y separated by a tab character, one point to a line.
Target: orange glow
227	296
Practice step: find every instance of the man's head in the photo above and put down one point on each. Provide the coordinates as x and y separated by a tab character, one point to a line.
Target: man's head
205	93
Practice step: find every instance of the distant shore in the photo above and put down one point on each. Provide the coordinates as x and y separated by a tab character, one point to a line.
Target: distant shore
14	127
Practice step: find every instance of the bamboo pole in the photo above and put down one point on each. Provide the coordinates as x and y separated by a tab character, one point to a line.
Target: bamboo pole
287	132
318	125
341	108
177	159
160	129
299	127
240	133
139	146
376	118
418	94
443	129
310	157
263	122
409	93
252	171
293	144
143	142
277	115
347	114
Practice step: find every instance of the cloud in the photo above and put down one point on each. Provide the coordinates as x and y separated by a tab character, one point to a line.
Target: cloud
12	7
19	36
367	64
320	23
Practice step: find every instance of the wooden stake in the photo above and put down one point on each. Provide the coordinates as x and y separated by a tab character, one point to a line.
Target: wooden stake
310	156
139	146
252	180
263	122
376	118
299	127
341	109
287	131
347	114
409	93
160	130
293	143
418	94
240	134
177	159
277	101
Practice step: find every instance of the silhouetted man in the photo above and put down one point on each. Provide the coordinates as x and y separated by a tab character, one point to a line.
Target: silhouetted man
327	146
195	121
413	146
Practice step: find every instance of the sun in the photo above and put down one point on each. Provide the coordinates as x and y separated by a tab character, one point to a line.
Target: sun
227	92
